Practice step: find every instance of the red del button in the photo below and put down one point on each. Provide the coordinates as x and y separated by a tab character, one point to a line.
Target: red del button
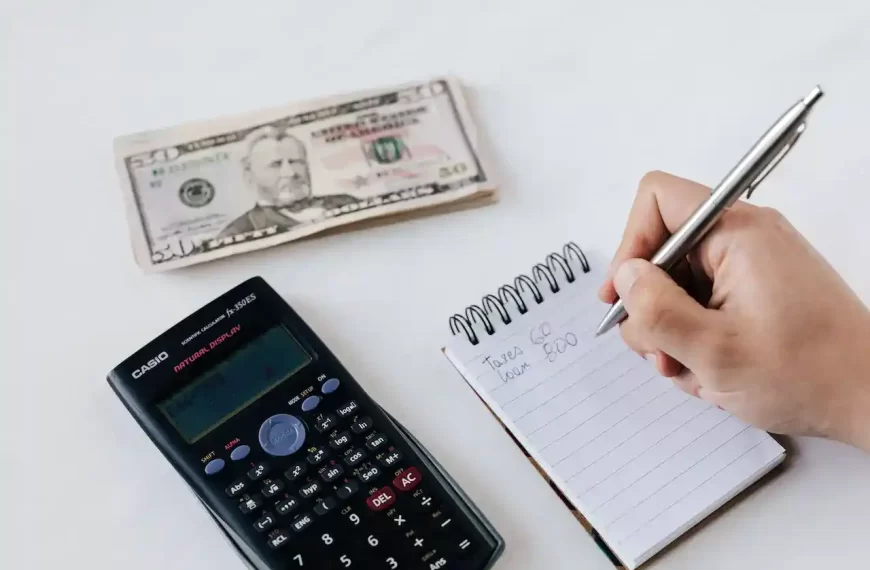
382	499
407	479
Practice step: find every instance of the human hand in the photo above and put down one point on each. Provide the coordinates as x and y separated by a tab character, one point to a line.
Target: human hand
762	326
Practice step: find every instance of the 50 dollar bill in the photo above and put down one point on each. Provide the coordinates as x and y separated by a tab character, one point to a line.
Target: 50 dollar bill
202	191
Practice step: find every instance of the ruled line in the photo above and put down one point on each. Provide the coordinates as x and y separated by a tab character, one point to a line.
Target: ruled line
690	491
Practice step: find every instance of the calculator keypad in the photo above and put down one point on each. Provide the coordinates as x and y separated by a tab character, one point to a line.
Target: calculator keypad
349	498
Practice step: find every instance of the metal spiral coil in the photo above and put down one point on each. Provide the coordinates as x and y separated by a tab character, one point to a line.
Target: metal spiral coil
511	295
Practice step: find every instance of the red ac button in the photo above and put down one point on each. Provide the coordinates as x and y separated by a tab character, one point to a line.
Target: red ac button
407	479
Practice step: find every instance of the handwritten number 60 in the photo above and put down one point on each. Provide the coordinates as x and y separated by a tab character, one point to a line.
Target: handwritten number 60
539	333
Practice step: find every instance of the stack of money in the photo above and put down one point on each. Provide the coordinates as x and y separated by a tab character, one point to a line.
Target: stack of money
202	191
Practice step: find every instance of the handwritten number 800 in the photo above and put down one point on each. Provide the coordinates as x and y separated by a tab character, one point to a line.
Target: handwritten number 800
556	346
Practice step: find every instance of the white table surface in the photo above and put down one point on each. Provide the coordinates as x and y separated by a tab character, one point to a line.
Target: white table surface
575	100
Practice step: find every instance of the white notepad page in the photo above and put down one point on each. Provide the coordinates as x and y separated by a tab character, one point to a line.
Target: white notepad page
640	459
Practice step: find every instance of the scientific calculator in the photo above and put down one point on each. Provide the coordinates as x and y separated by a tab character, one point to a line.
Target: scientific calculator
297	465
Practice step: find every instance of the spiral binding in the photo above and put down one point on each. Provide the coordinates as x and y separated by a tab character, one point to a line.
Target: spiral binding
511	295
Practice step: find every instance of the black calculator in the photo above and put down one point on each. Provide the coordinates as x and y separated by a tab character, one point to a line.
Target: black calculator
296	464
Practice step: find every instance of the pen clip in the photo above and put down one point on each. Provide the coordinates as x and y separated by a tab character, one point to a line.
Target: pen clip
776	159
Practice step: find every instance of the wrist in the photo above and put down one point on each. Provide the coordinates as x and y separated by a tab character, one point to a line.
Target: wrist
854	427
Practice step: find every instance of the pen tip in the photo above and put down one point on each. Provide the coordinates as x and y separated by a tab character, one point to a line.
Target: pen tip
814	95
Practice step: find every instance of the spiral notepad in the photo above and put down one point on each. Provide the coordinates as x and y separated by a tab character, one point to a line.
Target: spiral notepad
630	453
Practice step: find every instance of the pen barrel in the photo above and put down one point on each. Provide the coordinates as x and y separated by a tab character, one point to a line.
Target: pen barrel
732	187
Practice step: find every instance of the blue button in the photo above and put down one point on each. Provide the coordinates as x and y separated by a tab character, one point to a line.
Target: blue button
240	453
310	403
330	386
214	466
282	434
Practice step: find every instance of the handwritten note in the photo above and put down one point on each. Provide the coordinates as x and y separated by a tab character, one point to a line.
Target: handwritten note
642	460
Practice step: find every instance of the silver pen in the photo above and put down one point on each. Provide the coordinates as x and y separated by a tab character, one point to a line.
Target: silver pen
762	158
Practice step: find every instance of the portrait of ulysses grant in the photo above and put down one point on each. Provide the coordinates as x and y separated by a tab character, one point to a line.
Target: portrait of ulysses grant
276	173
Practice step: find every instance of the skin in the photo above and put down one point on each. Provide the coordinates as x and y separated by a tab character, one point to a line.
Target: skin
755	321
279	171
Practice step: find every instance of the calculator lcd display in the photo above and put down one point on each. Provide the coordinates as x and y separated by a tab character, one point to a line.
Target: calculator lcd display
230	386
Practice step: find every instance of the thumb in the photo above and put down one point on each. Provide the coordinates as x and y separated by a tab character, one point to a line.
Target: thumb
661	315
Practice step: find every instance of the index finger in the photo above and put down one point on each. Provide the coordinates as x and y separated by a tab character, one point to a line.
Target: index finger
663	202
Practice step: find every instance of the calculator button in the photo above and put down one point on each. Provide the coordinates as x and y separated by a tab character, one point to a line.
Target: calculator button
309	490
348	489
407	479
436	560
286	506
330	386
369	474
272	488
325	506
301	522
240	453
258	471
282	435
423	499
252	504
375	440
354	456
347	409
236	488
278	538
332	472
362	426
310	403
214	466
326	423
382	499
340	441
317	456
391	458
297	471
264	523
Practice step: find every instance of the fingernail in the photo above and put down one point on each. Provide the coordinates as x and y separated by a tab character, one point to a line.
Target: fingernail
626	275
651	357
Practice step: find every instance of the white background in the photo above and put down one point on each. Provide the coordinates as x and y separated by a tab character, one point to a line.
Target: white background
575	101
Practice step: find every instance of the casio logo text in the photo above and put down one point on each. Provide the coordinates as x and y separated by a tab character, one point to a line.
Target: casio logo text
150	364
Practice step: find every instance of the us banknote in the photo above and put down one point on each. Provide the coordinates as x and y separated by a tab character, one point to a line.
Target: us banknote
202	191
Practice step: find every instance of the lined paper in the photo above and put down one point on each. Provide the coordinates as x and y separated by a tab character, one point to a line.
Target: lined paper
641	460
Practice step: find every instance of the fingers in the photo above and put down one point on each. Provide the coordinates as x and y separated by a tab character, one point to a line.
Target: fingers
662	317
688	383
663	202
